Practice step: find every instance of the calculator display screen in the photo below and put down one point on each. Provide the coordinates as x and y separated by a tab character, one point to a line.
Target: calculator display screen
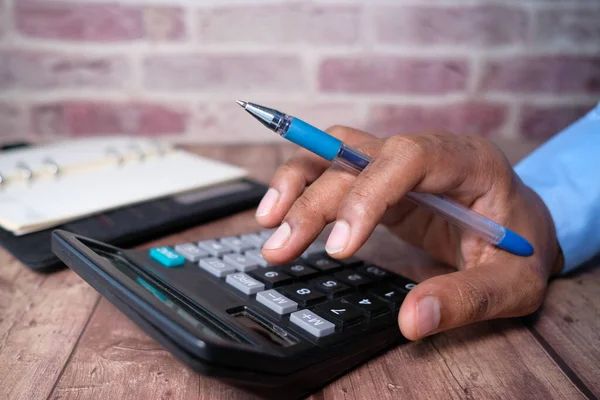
191	315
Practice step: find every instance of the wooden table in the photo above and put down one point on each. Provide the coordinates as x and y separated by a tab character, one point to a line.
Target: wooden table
59	339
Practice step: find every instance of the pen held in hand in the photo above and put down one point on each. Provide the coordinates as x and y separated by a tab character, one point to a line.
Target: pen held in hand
334	150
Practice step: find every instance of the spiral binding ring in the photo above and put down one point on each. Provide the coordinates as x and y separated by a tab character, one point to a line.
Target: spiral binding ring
27	172
139	151
116	153
54	168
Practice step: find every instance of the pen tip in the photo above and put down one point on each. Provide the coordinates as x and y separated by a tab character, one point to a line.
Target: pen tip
241	103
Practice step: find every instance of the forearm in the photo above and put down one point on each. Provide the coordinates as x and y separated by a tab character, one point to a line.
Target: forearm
565	173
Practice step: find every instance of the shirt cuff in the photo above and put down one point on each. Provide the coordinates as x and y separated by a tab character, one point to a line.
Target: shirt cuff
565	173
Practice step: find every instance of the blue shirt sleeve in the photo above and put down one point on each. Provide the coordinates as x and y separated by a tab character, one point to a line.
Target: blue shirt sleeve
565	173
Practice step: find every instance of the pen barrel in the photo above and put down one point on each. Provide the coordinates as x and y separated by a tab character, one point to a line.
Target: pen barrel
460	215
354	161
351	159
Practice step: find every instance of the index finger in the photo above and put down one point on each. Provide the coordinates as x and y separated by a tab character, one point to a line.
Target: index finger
292	177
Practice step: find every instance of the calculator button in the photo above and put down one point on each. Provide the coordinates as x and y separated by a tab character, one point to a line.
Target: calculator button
256	256
215	248
389	294
341	314
299	270
353	278
312	323
276	302
322	262
237	244
314	248
403	284
351	262
253	238
244	283
332	287
367	303
304	294
266	233
167	257
240	262
374	272
271	277
216	267
191	252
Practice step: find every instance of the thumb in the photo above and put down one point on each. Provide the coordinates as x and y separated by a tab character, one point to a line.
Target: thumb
475	294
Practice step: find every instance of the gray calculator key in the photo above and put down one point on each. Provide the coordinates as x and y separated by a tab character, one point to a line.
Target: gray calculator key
215	248
253	238
276	302
256	256
237	244
312	323
266	233
244	283
240	262
316	247
216	267
191	252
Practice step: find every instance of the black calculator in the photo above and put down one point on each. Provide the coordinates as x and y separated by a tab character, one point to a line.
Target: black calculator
280	331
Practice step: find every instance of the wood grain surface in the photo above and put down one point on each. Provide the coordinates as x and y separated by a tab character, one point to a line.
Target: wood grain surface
60	340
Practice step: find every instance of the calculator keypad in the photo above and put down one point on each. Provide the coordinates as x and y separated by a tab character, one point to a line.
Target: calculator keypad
244	283
322	262
312	323
353	278
299	270
304	294
367	303
240	262
276	302
191	252
340	313
318	294
216	266
256	256
216	249
272	277
331	286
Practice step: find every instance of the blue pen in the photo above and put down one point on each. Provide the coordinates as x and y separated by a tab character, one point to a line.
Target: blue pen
334	150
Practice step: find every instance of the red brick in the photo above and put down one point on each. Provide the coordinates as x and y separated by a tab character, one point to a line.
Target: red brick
226	122
567	28
488	25
213	71
393	75
544	122
44	70
289	23
10	121
107	22
481	118
83	118
3	19
551	74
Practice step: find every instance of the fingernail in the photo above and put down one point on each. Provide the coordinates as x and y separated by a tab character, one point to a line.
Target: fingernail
428	315
279	237
267	202
339	237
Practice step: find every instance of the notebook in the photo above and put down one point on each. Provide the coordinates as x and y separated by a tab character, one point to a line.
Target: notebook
46	186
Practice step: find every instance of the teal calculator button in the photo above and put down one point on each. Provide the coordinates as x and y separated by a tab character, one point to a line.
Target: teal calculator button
167	257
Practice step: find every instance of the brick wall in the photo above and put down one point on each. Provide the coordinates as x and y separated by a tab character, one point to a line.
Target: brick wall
158	67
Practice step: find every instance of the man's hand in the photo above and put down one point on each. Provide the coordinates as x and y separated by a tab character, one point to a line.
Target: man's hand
489	283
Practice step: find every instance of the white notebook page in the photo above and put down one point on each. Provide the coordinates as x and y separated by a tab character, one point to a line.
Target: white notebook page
45	203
